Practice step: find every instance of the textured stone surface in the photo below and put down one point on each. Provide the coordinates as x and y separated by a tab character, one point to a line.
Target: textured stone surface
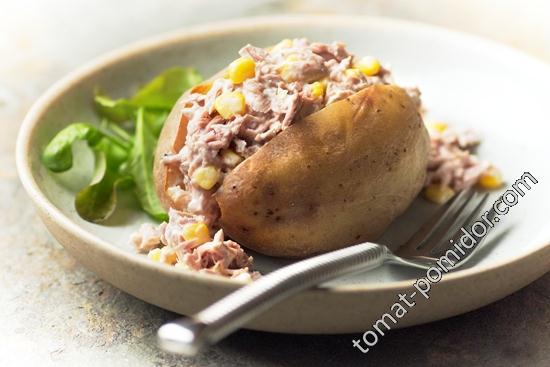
54	312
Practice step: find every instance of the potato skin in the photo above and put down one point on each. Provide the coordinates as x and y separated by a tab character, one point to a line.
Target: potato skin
338	177
174	129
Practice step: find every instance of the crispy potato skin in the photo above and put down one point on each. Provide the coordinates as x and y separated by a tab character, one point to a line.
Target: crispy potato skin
338	177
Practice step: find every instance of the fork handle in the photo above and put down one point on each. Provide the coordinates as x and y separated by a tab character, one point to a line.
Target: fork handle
189	334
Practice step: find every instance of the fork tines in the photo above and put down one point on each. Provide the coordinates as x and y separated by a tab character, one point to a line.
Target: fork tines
433	238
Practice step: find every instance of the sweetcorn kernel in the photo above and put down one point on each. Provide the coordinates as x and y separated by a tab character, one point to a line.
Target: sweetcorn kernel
197	232
154	254
202	88
437	126
490	179
168	256
369	66
230	158
439	194
287	70
286	43
206	177
352	73
229	104
317	89
241	69
292	58
286	73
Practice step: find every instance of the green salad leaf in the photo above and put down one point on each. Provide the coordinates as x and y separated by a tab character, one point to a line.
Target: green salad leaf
155	120
163	91
123	145
97	201
116	110
141	167
159	94
58	155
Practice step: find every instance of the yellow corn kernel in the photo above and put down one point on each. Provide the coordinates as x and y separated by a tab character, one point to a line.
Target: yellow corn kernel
317	89
490	179
286	43
437	126
197	232
352	73
206	177
154	254
287	68
369	66
292	58
230	158
438	193
286	73
241	69
168	256
202	88
229	104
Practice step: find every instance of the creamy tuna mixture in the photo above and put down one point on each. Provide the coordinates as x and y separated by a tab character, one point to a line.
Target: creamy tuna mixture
263	93
451	162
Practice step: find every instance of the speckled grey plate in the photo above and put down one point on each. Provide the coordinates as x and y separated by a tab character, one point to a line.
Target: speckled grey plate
467	81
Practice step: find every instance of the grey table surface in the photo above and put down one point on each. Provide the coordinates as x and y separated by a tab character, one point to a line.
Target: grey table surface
55	312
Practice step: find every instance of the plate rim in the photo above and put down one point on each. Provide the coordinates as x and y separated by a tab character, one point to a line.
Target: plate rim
208	30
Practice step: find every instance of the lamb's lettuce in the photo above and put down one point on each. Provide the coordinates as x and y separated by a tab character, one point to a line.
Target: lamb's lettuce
116	110
97	201
58	155
163	91
140	167
123	145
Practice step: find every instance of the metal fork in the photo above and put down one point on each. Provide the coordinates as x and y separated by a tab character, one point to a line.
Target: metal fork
189	335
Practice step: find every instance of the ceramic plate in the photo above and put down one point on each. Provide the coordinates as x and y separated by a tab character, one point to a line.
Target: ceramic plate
465	81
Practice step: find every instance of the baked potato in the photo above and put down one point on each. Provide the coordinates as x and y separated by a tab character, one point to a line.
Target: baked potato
336	177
